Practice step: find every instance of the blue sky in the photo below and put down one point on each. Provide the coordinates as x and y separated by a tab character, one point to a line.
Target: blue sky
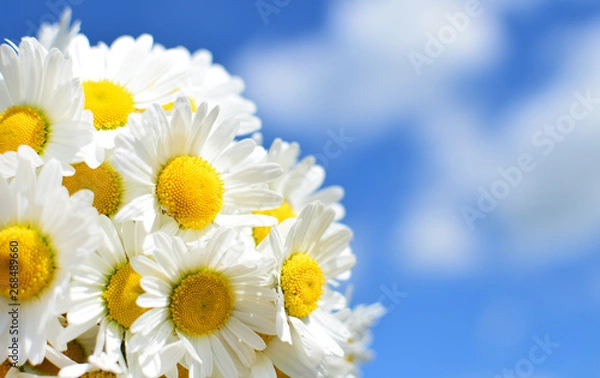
420	146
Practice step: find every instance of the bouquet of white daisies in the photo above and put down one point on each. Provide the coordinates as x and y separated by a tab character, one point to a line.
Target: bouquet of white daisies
144	230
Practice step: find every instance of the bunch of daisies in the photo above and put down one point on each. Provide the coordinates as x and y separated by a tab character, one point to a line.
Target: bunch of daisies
145	232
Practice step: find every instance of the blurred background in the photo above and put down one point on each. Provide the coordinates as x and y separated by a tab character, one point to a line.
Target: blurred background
467	136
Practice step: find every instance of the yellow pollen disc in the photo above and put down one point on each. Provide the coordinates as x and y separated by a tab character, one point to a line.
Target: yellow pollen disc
171	105
23	125
34	263
104	181
99	374
74	351
202	303
283	212
302	283
111	103
122	291
191	191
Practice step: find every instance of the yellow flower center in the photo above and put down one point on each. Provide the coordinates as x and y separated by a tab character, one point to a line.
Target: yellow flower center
26	263
191	191
121	294
283	212
74	351
302	283
104	181
99	374
202	303
111	103
21	125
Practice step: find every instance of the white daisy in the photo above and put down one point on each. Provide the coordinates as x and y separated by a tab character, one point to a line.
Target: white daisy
212	299
122	79
59	35
301	355
300	358
188	174
104	290
41	105
359	321
212	84
313	257
44	234
299	185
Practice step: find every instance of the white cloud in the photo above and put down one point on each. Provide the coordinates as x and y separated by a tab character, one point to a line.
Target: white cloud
434	242
356	69
555	210
553	214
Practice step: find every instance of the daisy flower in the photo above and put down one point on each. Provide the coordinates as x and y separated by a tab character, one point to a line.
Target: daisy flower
300	358
359	321
312	254
301	355
104	290
59	35
212	299
123	79
188	174
44	233
41	105
212	84
299	185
